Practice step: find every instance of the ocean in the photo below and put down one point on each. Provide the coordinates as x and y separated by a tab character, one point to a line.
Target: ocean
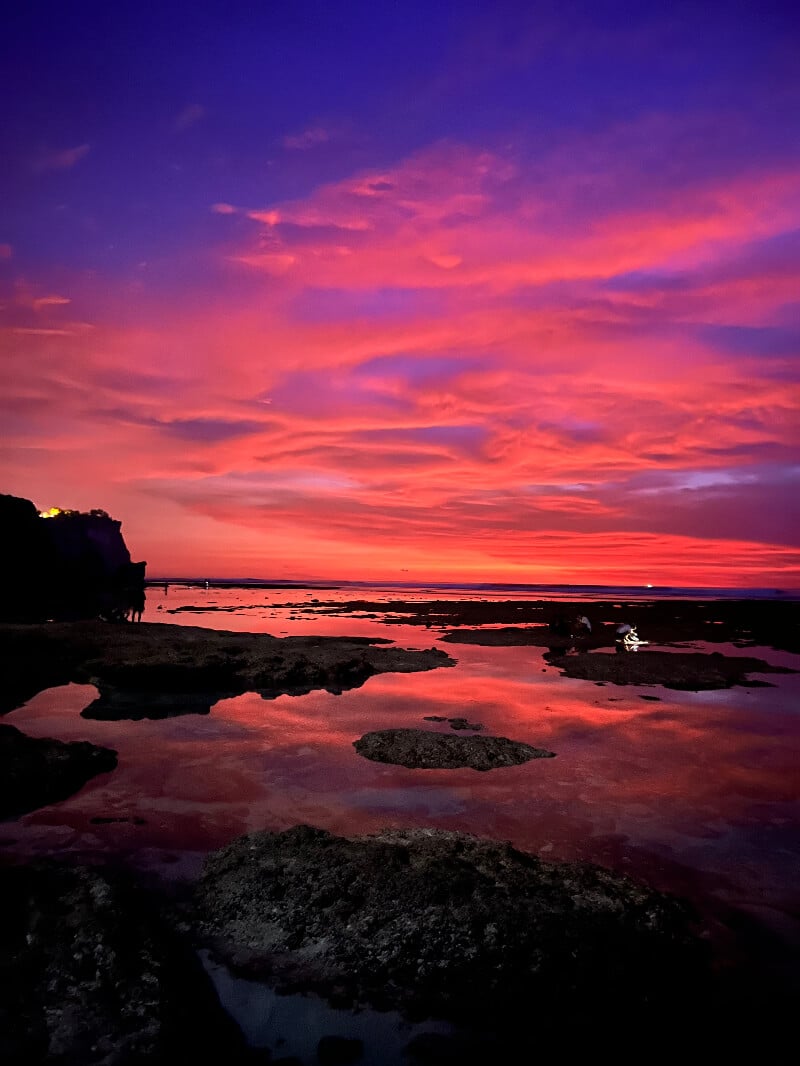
496	590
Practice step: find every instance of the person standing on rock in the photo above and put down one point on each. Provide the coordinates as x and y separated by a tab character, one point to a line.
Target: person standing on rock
136	605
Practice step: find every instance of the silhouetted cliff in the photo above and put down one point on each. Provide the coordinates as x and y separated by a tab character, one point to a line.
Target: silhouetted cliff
65	564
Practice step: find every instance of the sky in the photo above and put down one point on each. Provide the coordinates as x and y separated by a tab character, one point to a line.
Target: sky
408	290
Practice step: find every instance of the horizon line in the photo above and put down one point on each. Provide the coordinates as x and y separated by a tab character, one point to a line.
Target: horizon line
335	582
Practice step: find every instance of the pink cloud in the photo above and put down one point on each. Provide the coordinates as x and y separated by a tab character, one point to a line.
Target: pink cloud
42	332
189	116
465	366
62	160
43	303
455	217
309	138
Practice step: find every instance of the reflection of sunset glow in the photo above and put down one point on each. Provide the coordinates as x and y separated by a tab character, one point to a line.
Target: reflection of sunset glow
670	789
466	340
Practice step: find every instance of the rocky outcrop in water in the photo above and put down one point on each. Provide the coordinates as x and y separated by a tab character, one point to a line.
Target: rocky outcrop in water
36	772
155	671
773	622
686	671
454	723
421	749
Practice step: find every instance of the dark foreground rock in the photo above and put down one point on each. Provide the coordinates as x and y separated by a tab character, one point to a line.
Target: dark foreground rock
36	772
149	670
677	670
91	976
434	923
421	749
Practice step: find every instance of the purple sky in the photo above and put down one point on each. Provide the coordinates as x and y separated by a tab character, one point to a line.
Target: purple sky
456	290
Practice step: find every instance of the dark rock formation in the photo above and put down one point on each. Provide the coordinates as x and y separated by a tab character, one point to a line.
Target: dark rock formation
153	671
134	705
423	750
770	622
516	637
70	564
439	924
112	820
91	976
37	772
677	670
455	723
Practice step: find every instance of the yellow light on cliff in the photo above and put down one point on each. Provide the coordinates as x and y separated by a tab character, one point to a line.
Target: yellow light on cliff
51	513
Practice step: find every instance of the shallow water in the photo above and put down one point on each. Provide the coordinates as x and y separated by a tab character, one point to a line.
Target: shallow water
693	792
294	1025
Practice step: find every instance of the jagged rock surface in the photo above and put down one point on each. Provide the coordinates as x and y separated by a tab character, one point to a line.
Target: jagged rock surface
438	923
91	977
154	670
685	671
423	749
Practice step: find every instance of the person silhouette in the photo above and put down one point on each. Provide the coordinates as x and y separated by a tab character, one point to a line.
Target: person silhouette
136	605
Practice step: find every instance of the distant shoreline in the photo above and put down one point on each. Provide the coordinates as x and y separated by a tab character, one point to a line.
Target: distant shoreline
490	588
212	583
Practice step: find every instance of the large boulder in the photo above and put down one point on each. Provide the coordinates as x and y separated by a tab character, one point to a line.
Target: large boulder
436	923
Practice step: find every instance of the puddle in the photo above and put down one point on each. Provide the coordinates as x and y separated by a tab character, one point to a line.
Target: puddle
293	1025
